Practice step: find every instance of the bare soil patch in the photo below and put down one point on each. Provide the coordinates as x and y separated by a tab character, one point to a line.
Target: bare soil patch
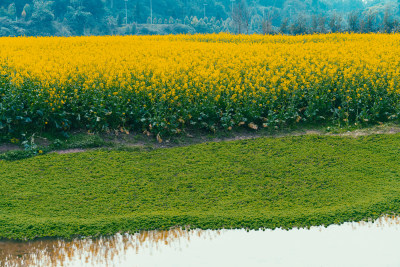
139	140
69	151
8	147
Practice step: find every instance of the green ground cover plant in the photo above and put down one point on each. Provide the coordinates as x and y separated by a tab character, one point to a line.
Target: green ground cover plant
258	183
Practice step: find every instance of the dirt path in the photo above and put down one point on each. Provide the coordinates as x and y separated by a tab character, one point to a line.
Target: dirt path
142	141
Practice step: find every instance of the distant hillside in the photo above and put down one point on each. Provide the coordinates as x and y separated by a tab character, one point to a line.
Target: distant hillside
83	17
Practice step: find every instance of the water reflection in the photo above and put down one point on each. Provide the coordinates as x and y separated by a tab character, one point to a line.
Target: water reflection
352	244
99	251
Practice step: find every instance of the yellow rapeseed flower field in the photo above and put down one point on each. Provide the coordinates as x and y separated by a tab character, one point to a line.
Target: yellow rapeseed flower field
163	84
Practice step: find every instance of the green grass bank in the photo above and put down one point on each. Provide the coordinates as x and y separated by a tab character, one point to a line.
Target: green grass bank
296	181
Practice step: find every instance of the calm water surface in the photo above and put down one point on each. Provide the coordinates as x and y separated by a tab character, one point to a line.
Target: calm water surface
351	244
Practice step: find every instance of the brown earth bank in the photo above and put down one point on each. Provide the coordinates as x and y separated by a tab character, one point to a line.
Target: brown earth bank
119	139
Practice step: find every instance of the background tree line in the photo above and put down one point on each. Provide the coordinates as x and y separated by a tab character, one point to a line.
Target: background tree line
108	17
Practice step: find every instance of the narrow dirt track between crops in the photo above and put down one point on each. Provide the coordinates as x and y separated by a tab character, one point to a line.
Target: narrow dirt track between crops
141	141
8	147
69	151
190	139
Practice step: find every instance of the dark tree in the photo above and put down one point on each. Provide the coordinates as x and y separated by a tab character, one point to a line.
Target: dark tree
388	21
78	19
241	17
60	8
42	18
335	23
19	6
353	21
95	7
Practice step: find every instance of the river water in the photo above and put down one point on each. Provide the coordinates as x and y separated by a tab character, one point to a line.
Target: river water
350	244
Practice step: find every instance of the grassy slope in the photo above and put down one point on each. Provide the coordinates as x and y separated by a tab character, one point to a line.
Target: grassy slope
265	182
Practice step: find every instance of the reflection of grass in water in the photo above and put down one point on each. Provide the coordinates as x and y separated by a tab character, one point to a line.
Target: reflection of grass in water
97	251
106	250
267	182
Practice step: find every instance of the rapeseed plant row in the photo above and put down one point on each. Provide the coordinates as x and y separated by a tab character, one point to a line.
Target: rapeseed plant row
164	84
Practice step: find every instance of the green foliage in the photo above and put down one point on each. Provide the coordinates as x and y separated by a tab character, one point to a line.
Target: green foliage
42	18
78	19
31	148
260	183
80	141
17	155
